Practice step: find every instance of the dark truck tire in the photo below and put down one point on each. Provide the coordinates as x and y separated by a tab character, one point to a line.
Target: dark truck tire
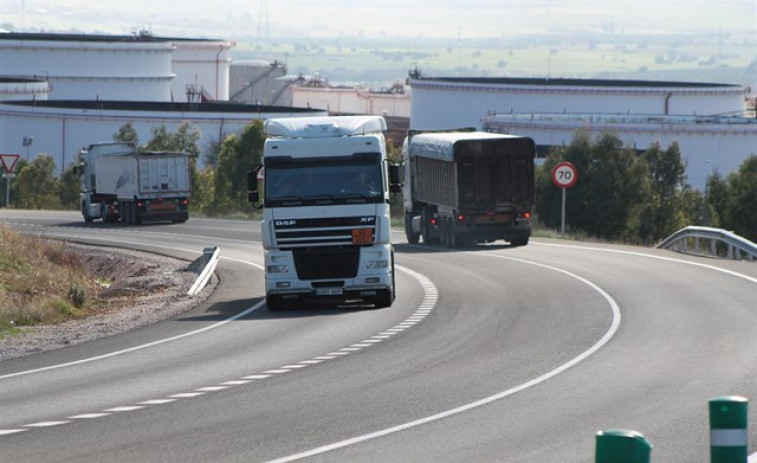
412	238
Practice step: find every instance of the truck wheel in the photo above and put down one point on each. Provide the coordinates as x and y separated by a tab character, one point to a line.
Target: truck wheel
384	299
427	239
412	238
519	242
87	218
136	219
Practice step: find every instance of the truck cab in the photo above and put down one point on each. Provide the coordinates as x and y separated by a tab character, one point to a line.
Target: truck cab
326	224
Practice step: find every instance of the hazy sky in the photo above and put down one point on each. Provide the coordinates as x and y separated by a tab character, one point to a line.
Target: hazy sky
382	18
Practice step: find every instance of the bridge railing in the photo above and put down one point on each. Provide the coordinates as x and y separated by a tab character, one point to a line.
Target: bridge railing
707	241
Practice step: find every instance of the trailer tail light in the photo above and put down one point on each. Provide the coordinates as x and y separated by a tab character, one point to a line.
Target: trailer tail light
525	215
460	218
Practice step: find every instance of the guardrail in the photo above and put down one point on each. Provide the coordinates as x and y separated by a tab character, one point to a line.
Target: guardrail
721	243
204	266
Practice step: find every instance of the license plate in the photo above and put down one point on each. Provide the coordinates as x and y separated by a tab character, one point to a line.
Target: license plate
328	291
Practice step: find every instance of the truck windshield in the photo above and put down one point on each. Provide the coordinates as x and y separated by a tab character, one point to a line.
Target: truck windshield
331	180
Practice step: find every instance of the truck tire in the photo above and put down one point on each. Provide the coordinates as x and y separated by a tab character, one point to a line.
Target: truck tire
87	218
136	217
519	242
412	237
427	239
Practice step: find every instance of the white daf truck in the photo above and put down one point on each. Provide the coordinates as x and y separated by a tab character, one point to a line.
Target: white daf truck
325	228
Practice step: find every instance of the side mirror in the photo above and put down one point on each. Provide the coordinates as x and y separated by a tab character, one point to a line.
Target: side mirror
395	178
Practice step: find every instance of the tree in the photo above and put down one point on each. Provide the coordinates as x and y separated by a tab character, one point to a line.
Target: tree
743	186
35	186
185	139
611	186
127	134
69	188
665	211
718	201
237	155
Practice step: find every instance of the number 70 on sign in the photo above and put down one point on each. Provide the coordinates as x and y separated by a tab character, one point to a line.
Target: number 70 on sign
564	175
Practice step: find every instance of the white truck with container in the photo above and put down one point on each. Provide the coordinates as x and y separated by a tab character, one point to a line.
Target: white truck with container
326	224
120	183
463	187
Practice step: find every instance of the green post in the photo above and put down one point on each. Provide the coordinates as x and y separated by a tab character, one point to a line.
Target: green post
729	440
622	446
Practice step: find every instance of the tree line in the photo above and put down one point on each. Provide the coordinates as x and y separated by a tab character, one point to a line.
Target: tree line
621	195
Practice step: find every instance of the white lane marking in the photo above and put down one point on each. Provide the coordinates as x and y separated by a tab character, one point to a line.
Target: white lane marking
149	344
45	424
88	416
185	395
157	402
8	432
429	299
454	411
211	388
652	256
125	408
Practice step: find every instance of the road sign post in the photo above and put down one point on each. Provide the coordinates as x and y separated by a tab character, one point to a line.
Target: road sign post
564	176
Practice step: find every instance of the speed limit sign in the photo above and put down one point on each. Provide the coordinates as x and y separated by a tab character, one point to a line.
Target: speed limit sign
564	175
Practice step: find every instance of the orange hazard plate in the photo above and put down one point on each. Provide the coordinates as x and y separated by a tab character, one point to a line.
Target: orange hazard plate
496	218
164	206
362	236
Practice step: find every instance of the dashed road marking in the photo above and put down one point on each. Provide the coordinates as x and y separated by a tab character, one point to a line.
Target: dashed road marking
430	298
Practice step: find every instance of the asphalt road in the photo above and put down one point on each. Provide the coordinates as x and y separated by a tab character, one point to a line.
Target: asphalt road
489	354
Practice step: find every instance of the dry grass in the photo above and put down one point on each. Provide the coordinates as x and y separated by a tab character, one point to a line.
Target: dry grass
41	281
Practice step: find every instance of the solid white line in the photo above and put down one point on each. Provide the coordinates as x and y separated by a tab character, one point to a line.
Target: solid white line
652	256
7	432
384	432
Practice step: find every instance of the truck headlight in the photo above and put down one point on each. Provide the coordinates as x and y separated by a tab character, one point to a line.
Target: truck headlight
276	268
377	264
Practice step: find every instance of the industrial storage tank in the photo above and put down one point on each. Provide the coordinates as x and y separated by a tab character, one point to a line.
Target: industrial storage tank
136	67
60	128
92	67
440	103
23	89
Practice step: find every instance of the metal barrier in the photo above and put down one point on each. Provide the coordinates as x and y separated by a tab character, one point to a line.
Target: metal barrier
722	243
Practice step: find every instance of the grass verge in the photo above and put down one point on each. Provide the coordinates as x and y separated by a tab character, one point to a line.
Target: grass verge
41	281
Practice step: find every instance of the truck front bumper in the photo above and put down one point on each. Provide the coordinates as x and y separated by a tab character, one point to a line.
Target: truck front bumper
374	277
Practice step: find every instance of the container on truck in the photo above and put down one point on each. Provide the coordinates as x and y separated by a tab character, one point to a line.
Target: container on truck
326	225
463	187
120	183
